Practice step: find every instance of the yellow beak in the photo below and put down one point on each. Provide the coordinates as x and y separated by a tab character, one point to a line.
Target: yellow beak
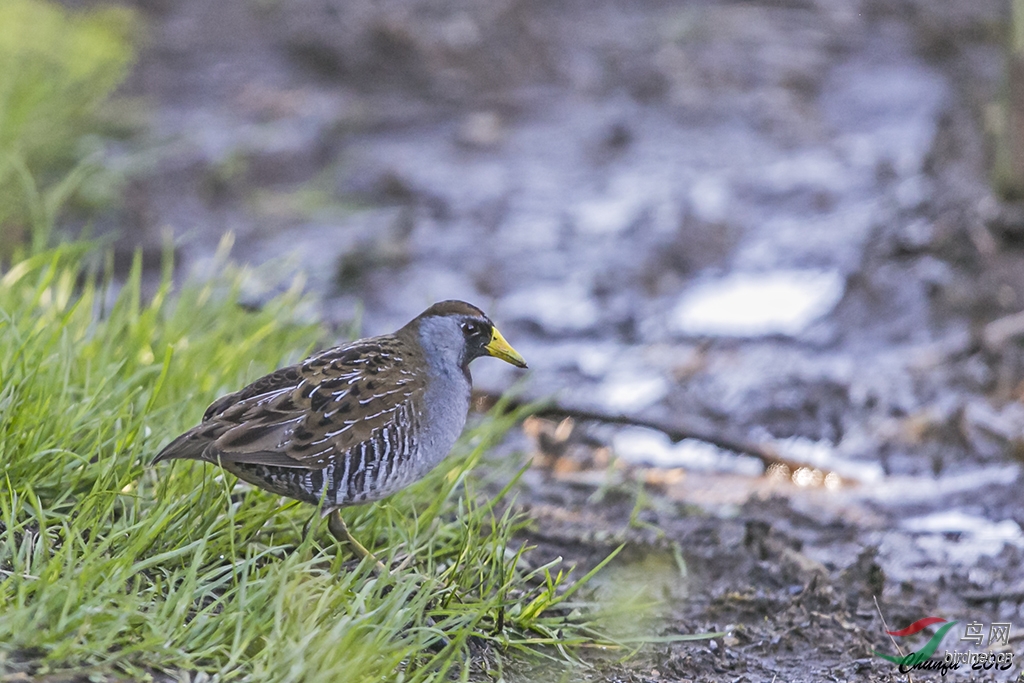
499	348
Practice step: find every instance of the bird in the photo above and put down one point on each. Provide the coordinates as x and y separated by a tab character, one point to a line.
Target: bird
354	423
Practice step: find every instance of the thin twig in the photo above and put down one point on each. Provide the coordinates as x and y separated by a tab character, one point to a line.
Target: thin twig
999	596
676	432
886	627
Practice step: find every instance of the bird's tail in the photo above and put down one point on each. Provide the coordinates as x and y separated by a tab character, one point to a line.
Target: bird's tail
187	446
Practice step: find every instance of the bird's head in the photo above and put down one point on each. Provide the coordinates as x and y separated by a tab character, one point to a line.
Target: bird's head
459	332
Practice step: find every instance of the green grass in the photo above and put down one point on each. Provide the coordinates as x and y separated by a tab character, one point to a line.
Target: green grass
57	67
111	568
115	568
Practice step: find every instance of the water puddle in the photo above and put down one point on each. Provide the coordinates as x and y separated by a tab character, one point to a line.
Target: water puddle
758	304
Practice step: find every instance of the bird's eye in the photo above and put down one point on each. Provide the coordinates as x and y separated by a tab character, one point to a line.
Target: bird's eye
470	328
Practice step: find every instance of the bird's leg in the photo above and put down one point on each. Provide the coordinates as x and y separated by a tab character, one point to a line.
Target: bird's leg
336	525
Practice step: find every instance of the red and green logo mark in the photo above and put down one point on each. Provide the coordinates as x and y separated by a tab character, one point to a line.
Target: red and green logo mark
925	652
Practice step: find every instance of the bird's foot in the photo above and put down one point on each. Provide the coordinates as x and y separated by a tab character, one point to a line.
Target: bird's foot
336	525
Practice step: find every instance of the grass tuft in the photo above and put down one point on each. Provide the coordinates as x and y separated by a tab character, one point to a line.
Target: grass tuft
56	68
113	568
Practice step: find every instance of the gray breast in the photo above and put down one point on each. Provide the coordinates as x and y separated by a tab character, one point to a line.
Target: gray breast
420	436
441	416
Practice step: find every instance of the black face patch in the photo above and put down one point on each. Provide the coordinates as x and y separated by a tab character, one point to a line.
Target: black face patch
477	331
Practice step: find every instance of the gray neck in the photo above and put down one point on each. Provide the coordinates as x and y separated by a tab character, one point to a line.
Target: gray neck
446	399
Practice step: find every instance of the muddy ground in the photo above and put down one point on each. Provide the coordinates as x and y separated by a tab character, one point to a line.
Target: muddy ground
767	224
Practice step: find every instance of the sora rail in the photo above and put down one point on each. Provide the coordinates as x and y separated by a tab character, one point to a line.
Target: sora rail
355	423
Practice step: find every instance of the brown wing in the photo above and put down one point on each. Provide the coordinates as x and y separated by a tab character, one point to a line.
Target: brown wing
308	414
286	378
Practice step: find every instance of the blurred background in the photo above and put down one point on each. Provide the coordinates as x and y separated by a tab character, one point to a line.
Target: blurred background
765	257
